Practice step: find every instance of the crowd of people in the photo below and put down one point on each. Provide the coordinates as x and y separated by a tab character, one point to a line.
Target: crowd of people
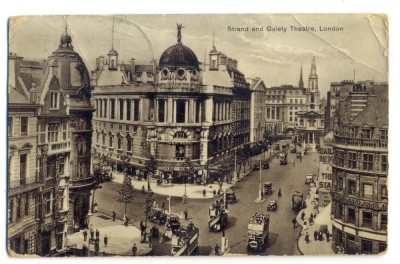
259	219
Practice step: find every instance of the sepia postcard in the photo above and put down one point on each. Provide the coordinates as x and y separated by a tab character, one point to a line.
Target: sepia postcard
200	135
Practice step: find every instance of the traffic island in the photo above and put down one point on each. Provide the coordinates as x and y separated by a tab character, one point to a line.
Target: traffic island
120	238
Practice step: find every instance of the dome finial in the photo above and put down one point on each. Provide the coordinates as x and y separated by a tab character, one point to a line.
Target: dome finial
179	34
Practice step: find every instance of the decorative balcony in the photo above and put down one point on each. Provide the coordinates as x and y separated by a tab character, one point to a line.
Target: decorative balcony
179	87
59	147
360	142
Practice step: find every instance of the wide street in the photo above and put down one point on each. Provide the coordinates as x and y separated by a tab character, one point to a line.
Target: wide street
282	237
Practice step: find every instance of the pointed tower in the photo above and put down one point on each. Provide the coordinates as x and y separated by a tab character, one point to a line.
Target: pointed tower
301	83
313	78
113	54
214	56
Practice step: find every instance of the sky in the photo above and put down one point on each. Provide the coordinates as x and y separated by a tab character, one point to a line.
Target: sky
360	50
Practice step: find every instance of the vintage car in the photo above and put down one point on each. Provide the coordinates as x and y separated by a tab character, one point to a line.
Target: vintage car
267	188
265	164
309	179
173	223
107	173
230	196
256	166
272	205
156	215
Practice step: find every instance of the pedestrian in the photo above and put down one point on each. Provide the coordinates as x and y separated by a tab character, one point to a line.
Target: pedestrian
142	225
294	221
134	249
105	240
204	193
97	233
96	247
315	235
307	238
163	207
311	218
91	233
315	214
84	234
327	235
219	192
214	192
186	214
126	222
216	250
279	192
114	215
302	215
84	250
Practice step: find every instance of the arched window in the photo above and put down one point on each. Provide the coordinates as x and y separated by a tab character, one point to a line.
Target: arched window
129	144
312	98
180	134
111	141
81	146
119	143
213	64
104	140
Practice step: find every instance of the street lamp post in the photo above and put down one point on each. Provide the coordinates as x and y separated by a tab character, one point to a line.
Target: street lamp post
88	224
259	184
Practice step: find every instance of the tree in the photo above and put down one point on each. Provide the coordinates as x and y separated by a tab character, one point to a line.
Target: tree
187	171
126	193
150	168
148	204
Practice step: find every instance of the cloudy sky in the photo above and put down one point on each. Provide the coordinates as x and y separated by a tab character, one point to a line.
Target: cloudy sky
276	57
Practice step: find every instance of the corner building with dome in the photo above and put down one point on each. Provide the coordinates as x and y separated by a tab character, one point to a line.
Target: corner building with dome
176	109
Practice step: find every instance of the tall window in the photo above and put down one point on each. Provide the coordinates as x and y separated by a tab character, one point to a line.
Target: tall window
128	109
121	109
52	133
11	210
367	219
351	187
54	100
18	208
366	246
384	134
161	110
26	207
119	143
180	111
340	158
384	163
352	161
111	141
24	126
104	140
136	110
105	108
384	221
112	108
352	132
10	126
366	133
47	198
368	162
367	190
23	162
351	215
129	144
384	192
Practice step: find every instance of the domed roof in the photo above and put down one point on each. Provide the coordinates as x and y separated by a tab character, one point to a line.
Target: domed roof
113	52
179	55
65	38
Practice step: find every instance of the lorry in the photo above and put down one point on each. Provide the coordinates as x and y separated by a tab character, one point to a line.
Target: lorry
297	201
185	241
218	217
257	232
283	158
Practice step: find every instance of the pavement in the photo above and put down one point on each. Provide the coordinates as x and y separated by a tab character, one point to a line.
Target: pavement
120	238
314	247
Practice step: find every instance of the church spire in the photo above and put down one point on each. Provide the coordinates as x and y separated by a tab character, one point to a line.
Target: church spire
301	83
179	33
112	36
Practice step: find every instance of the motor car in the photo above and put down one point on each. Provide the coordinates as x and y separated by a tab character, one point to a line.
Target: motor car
256	166
265	165
272	205
309	179
267	188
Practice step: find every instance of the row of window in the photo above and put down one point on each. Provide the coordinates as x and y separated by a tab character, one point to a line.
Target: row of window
23	128
364	190
121	109
365	133
18	207
365	217
53	132
349	160
129	141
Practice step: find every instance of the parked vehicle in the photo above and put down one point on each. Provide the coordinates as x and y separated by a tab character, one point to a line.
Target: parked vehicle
156	215
257	232
267	188
173	223
283	158
256	165
230	196
309	179
265	165
272	205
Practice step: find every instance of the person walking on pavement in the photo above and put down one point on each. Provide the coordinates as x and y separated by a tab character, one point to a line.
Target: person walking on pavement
279	193
84	250
294	221
303	215
327	235
217	250
311	218
163	207
84	234
307	238
114	215
315	235
91	233
186	214
214	192
134	250
204	193
105	240
97	233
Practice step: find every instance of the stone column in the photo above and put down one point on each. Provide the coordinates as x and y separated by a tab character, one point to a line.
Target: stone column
125	109
169	111
209	107
190	110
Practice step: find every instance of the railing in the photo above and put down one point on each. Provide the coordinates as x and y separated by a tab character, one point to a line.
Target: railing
59	147
179	87
361	142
